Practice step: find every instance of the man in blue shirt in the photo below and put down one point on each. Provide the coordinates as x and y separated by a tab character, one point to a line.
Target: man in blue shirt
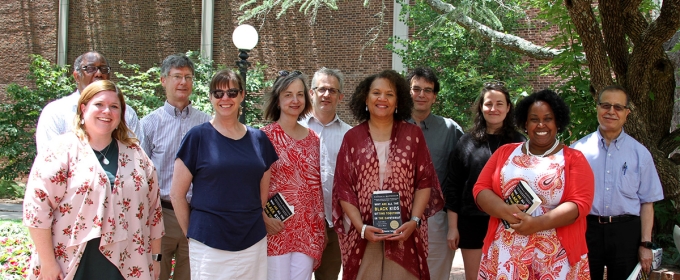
620	222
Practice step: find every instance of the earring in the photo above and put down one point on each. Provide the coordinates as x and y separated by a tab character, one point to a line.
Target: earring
395	110
82	121
366	108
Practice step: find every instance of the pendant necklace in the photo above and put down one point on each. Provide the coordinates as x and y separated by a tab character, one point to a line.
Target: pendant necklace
526	144
105	161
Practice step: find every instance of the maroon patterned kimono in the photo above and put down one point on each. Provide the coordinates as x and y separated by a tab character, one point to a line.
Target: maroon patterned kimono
409	168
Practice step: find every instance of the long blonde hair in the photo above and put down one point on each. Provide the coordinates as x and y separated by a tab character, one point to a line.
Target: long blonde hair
122	133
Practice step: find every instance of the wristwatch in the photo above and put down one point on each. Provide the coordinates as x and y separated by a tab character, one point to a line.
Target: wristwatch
647	244
417	220
156	257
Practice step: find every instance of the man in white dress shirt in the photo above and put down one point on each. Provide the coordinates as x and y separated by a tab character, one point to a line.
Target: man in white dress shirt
57	116
326	92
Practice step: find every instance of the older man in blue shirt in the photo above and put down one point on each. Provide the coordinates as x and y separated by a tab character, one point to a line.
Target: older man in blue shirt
620	222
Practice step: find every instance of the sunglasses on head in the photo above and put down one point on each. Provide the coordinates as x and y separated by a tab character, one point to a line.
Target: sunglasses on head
231	93
492	84
284	73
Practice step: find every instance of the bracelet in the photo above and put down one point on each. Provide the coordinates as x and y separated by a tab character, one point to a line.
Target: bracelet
363	230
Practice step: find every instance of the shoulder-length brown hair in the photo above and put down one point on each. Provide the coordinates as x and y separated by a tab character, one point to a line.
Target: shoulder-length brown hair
122	133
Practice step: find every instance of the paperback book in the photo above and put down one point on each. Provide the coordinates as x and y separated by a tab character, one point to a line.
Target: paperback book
278	208
386	211
522	194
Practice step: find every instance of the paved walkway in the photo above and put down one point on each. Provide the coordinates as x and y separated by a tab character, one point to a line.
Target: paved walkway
10	211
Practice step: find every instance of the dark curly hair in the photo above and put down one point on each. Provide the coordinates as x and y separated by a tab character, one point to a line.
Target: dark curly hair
556	103
404	101
478	130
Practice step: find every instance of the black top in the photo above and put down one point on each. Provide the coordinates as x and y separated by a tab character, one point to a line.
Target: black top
465	163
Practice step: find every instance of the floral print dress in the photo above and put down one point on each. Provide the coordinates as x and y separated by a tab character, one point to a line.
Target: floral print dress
539	255
68	192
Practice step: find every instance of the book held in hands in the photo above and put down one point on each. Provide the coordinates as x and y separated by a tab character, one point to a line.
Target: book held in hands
278	208
524	195
386	211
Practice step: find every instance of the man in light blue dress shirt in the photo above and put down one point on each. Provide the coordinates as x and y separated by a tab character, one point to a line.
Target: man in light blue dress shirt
620	222
164	129
326	92
441	136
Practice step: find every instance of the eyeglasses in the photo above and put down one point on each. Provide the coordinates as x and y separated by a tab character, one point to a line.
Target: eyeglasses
322	90
89	69
179	78
284	73
492	84
419	90
231	93
608	106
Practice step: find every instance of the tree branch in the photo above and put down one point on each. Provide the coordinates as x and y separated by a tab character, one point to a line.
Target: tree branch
584	20
506	41
614	39
670	142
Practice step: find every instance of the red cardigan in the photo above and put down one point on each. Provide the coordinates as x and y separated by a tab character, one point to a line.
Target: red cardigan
579	189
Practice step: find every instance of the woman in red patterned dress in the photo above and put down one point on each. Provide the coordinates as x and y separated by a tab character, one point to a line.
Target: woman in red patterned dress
294	247
384	153
549	243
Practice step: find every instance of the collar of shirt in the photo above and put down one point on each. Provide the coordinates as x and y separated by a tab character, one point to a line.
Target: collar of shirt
426	123
171	110
618	142
305	121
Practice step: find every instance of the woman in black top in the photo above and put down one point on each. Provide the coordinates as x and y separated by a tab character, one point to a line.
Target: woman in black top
492	129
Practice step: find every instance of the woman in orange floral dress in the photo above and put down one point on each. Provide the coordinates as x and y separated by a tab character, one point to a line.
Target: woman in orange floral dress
550	242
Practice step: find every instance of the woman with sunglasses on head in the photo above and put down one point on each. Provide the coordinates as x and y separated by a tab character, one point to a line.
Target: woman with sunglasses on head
227	164
92	202
548	243
295	246
493	127
384	154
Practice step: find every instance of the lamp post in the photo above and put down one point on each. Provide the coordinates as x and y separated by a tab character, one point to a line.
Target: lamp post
245	39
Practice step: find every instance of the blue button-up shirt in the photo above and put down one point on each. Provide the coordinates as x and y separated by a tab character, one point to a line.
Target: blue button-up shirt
625	175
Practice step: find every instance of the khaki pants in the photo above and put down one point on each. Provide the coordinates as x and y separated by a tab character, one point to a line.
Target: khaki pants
331	261
375	266
174	243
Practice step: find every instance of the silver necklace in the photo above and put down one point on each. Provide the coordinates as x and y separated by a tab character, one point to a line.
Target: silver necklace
526	144
105	161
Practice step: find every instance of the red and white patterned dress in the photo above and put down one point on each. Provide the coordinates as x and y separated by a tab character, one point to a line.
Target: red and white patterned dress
540	255
297	176
69	193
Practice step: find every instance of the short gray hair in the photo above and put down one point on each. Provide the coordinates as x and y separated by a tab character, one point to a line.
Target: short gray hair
178	60
329	72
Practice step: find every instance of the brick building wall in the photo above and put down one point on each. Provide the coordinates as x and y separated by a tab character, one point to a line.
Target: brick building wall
144	32
536	32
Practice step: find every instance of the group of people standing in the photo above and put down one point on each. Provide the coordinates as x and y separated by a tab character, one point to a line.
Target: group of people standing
111	197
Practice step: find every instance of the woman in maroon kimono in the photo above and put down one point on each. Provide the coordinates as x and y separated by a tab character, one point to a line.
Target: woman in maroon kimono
384	153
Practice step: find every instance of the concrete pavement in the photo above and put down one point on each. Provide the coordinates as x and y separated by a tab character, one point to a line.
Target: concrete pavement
10	211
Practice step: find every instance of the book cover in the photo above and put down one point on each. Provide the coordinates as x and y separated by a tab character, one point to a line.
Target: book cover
522	194
278	208
639	274
386	211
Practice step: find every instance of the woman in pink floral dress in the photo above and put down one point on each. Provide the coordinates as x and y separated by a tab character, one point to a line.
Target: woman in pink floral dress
294	247
92	200
550	242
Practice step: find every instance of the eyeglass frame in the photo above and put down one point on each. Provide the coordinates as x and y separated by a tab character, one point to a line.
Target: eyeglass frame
608	106
418	90
323	90
231	93
179	78
98	68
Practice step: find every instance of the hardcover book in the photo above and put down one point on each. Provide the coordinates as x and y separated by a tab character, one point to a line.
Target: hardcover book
278	208
386	211
522	194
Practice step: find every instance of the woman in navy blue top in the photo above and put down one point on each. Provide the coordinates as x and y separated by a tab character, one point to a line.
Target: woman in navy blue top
228	164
